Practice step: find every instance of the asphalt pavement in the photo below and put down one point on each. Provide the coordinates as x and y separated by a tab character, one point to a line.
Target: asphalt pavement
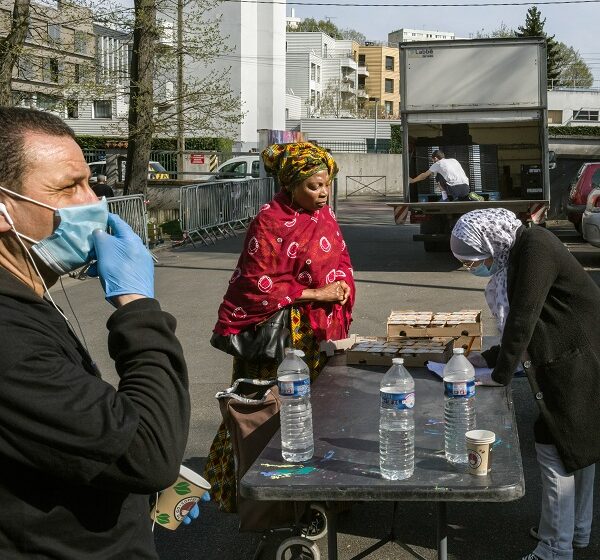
391	272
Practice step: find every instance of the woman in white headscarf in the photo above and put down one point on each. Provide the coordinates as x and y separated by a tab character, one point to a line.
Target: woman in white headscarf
548	312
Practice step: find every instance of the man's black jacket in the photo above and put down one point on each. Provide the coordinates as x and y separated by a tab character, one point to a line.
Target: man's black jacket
77	457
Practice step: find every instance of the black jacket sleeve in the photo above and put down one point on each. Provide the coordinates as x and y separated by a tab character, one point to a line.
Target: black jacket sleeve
57	417
150	362
534	274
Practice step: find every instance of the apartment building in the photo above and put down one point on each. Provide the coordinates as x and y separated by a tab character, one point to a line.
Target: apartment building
323	72
405	35
379	79
102	109
254	40
58	53
574	107
72	67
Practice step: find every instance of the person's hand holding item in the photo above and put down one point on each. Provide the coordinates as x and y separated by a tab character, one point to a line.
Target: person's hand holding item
124	264
195	511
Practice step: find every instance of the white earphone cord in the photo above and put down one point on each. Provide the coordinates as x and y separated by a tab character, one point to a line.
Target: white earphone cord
38	273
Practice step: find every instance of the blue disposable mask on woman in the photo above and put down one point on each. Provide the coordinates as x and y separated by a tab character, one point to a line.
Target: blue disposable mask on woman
70	246
483	271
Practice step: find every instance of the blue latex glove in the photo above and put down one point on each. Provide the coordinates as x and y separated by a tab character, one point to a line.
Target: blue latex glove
124	264
195	511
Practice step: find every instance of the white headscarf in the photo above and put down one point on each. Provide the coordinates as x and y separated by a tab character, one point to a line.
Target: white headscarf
492	231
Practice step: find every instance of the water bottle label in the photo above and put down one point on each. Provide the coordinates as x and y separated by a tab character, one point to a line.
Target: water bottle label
397	401
299	388
460	388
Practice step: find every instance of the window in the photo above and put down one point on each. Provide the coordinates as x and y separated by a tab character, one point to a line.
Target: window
325	50
361	82
389	62
47	102
287	113
312	97
50	70
80	42
389	86
318	98
25	69
555	117
72	108
103	109
76	73
318	74
53	34
255	169
361	60
389	107
233	170
313	71
586	115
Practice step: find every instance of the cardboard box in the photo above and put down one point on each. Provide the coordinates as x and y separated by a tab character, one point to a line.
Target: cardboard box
379	351
462	325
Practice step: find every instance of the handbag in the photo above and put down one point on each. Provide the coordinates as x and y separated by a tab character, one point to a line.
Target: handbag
268	339
250	410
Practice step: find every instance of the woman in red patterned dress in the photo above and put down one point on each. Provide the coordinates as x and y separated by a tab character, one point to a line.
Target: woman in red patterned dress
295	257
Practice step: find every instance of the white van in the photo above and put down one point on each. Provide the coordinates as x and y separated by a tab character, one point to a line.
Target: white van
237	168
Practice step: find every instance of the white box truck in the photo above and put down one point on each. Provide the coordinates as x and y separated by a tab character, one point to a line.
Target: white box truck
484	103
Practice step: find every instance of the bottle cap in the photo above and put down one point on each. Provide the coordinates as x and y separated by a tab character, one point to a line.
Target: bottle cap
397	360
459	350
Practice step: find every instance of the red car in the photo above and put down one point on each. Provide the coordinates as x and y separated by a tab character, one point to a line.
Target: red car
588	178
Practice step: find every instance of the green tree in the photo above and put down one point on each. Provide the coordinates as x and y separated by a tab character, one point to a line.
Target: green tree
353	35
324	26
11	46
534	27
573	71
502	32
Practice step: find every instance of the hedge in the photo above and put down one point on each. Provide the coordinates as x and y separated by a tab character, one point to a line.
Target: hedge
166	144
396	139
574	130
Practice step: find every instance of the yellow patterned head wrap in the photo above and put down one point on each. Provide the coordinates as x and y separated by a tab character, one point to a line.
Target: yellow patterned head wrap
292	163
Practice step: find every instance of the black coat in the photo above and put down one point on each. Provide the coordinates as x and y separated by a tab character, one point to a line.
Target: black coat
555	316
79	457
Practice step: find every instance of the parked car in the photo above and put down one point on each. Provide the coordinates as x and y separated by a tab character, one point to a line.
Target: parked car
590	220
237	168
155	170
588	178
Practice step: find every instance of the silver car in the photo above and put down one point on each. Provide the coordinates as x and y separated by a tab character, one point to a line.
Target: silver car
590	221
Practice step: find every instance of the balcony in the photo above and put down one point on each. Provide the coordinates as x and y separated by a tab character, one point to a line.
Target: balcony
346	87
362	71
362	94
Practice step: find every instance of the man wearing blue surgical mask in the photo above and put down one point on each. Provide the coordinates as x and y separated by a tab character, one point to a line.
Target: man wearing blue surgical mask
78	456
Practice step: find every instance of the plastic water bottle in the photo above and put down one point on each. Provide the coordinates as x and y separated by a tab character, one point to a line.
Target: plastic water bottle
459	406
396	423
293	380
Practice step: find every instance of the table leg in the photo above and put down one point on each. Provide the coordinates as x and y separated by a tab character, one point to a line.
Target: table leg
442	531
332	548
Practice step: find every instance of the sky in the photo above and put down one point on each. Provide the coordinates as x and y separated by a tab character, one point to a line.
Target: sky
574	24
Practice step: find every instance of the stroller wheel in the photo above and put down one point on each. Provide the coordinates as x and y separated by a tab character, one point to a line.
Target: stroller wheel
317	523
298	548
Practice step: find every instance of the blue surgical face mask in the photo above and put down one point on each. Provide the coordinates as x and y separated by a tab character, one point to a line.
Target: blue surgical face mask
70	246
484	271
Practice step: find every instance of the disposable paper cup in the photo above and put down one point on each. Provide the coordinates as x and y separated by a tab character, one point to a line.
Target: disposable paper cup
479	450
175	502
